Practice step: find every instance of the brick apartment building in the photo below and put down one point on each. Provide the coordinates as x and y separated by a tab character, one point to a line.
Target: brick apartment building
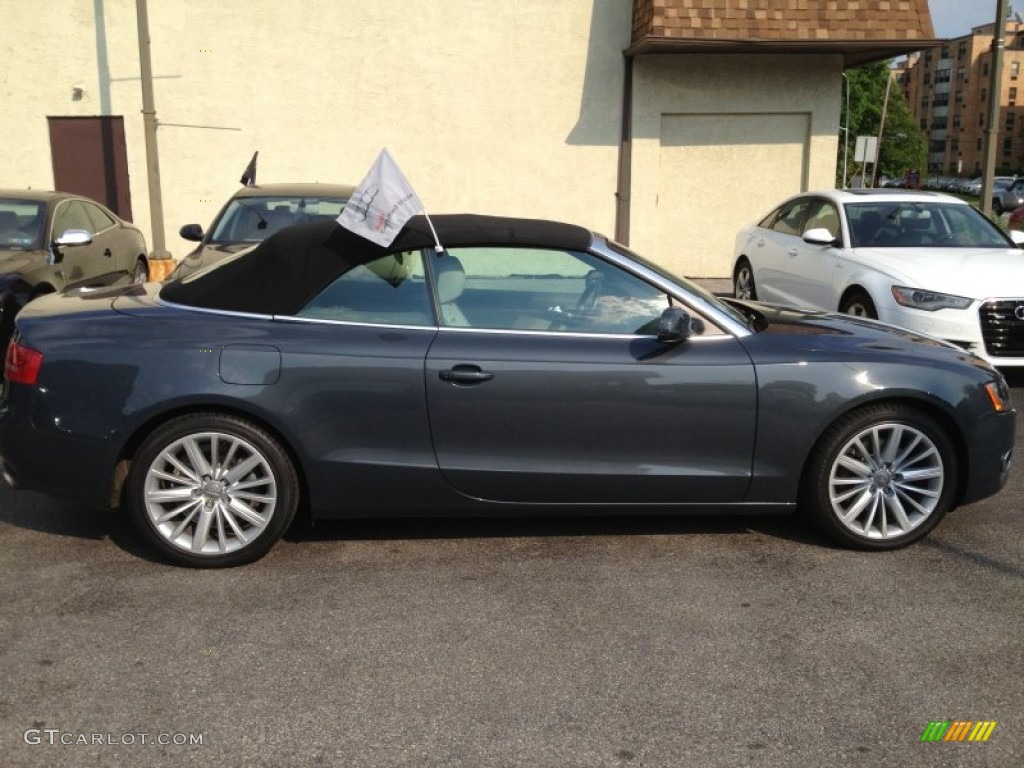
948	91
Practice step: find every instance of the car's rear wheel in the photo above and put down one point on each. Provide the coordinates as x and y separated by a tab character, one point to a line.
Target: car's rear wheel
743	281
881	477
860	305
211	491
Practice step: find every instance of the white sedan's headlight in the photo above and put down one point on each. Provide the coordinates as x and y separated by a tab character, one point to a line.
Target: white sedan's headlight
929	301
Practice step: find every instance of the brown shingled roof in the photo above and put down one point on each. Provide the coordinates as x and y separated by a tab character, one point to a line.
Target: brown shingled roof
861	30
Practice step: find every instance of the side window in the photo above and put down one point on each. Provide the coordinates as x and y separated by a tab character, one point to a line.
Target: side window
789	220
98	218
390	290
768	220
71	215
544	290
823	215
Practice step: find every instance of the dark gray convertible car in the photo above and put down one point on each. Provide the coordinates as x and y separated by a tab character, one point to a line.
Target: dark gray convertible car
529	367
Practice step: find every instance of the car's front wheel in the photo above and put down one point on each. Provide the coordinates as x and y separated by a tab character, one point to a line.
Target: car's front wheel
881	477
743	281
859	304
211	491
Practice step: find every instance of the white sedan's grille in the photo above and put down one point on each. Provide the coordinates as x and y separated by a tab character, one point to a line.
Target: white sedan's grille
1002	327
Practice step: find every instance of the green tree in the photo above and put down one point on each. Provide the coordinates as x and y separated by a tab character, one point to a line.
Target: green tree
904	144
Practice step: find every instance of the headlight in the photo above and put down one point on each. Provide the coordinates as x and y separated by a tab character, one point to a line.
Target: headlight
929	301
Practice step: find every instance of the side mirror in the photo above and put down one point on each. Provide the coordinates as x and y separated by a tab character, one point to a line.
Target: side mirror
819	236
71	237
676	325
192	232
1017	236
74	237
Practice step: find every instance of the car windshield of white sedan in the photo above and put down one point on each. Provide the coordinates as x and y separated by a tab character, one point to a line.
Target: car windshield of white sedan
21	224
251	219
917	224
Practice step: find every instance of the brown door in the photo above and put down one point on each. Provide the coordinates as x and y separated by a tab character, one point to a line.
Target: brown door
90	158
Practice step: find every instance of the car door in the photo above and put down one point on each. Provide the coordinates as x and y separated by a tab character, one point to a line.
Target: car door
546	384
80	265
772	250
812	266
120	242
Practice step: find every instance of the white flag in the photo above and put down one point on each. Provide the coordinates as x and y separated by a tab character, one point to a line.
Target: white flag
382	203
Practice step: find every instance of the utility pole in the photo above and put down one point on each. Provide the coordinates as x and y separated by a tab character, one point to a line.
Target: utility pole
156	205
994	91
881	128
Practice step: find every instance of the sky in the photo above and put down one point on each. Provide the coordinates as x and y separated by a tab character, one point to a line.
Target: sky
955	18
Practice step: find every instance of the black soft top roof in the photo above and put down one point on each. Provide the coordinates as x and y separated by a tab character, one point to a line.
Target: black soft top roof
280	275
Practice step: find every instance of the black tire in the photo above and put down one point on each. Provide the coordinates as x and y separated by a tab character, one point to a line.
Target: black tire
209	490
140	273
743	286
881	477
859	304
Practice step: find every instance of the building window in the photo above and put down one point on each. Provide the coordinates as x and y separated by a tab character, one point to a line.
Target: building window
984	69
1009	120
942	75
981	121
954	145
959	97
924	101
979	145
941	100
927	78
984	94
1007	145
1014	69
956	121
962	48
961	73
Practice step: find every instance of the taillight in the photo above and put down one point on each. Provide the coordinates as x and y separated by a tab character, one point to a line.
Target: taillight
21	366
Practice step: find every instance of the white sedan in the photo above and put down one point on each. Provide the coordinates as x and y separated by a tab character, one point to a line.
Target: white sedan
925	261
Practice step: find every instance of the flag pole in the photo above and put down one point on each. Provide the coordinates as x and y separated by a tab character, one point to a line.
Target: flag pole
437	243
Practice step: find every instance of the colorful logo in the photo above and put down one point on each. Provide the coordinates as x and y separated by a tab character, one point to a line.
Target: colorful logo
958	730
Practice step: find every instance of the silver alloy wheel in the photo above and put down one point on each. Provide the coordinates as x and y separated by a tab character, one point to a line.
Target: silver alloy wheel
744	287
140	273
210	493
886	481
857	309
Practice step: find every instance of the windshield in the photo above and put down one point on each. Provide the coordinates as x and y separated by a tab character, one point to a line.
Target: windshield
899	224
690	286
251	219
21	224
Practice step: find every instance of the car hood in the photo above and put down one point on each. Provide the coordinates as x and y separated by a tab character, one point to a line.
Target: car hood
18	260
784	333
978	273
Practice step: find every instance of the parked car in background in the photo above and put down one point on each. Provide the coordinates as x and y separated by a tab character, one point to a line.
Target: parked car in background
55	241
254	213
1007	195
921	260
531	367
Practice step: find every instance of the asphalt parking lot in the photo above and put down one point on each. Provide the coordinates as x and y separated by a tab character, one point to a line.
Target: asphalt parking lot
615	642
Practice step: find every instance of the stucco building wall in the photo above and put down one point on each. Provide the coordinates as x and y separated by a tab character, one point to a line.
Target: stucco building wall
719	140
501	108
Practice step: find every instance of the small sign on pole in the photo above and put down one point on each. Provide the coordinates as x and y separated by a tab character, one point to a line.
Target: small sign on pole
866	150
